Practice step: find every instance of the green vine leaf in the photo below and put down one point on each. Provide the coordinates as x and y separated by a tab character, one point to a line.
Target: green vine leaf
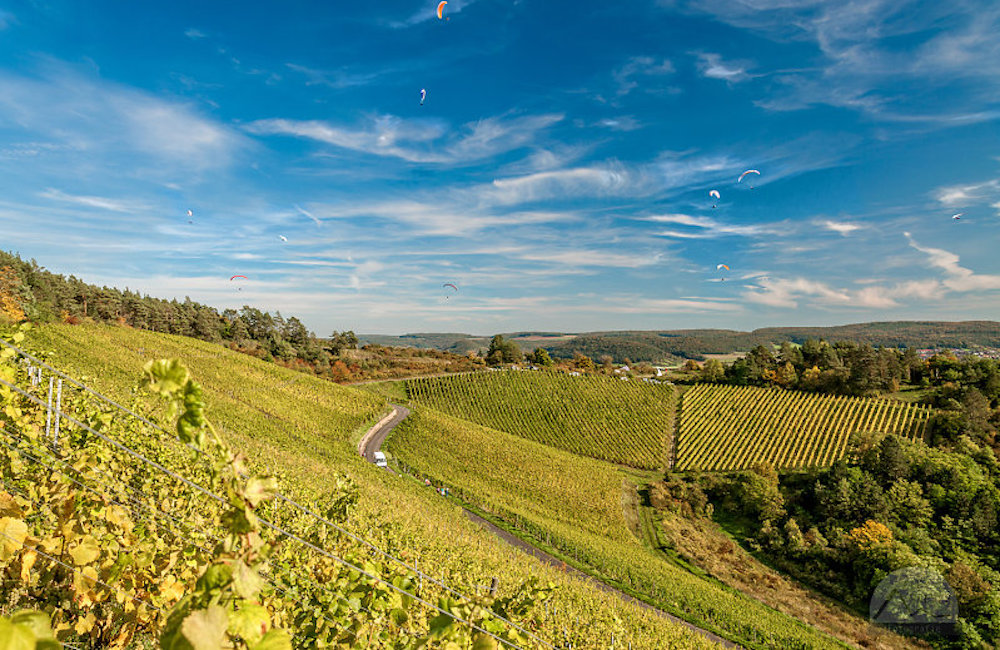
274	640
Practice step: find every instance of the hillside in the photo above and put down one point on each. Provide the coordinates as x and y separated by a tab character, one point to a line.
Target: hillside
734	427
574	506
305	428
672	346
628	422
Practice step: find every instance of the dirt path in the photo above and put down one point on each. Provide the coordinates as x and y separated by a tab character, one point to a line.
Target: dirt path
372	442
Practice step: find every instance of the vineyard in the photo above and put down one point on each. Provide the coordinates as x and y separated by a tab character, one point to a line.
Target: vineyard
573	505
628	422
301	428
734	427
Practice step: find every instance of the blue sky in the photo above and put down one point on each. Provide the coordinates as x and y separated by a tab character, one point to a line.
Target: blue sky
558	172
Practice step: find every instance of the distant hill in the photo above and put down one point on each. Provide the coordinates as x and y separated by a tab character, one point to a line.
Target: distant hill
672	346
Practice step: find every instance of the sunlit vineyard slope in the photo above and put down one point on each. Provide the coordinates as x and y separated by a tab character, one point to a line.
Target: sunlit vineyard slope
575	506
734	427
305	429
628	422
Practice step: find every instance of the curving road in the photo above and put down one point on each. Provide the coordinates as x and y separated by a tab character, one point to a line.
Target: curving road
372	442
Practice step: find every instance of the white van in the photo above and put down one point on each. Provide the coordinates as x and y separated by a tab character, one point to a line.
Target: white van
380	459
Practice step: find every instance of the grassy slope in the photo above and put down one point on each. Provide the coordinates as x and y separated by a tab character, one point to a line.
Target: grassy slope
305	427
628	422
733	427
576	505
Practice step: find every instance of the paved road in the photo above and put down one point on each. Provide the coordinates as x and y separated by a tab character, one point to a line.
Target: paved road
372	442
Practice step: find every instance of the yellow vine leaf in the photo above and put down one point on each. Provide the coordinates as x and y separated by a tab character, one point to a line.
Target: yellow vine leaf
27	561
86	551
13	532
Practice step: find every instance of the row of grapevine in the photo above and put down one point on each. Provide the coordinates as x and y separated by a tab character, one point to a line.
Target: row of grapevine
573	505
627	422
734	427
303	429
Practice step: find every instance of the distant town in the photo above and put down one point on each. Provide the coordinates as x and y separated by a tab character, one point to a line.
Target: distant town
982	353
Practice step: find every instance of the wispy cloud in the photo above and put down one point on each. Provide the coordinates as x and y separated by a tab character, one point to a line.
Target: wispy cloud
87	117
421	141
339	78
620	123
594	258
306	213
639	70
957	277
970	194
98	202
712	65
707	227
872	53
195	34
789	292
559	183
842	227
440	216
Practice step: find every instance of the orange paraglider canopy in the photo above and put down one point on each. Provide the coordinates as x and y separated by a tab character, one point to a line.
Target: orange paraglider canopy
441	8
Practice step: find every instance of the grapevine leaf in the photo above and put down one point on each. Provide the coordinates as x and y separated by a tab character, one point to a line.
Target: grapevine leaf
205	629
216	576
13	532
399	616
8	506
86	551
484	642
37	622
250	623
165	376
246	582
274	640
260	489
15	637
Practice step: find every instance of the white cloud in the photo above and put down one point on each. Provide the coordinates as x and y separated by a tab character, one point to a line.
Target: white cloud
593	258
642	305
87	118
586	181
788	292
441	216
872	53
421	141
707	227
194	34
99	202
305	212
621	123
712	66
958	278
971	194
841	227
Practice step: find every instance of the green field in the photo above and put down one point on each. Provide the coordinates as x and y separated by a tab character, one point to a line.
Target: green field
305	429
574	505
734	427
628	422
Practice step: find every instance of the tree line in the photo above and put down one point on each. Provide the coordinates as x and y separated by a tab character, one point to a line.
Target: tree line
30	292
